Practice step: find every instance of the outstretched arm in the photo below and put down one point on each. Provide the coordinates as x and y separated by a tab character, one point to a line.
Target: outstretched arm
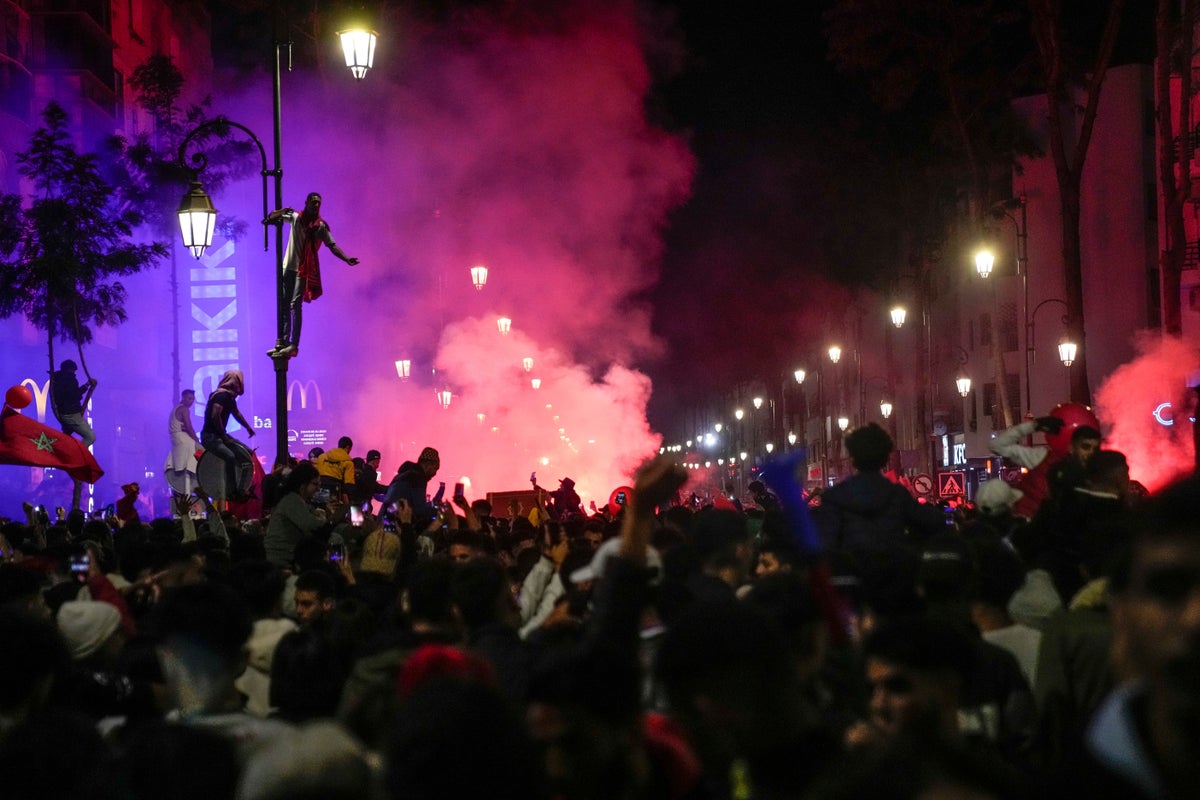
337	251
278	214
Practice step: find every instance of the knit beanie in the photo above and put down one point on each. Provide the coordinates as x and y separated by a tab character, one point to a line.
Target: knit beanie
85	625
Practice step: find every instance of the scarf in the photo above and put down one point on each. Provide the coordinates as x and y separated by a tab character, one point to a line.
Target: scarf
309	267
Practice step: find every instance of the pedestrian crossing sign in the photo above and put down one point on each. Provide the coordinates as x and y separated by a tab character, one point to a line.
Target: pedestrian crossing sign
951	483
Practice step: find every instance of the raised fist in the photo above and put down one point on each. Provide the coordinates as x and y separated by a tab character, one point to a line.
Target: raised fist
1050	425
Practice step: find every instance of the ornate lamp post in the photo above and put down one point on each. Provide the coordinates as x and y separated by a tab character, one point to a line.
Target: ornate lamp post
197	215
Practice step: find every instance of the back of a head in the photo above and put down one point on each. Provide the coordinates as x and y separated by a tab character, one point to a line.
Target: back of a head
346	443
787	597
475	589
260	584
301	474
919	643
34	654
306	677
1107	469
460	738
319	581
18	585
716	532
1001	572
714	647
427	591
869	447
206	615
948	572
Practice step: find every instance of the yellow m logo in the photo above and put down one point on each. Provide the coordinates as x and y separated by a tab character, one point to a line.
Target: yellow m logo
304	387
40	395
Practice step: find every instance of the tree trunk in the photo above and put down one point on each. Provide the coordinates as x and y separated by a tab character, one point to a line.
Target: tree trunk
1069	163
1069	193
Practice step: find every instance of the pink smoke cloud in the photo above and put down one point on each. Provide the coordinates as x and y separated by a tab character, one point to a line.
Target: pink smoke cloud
1126	404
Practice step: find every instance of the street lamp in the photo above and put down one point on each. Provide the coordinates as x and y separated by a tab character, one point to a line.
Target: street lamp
1066	351
527	363
885	408
536	383
843	422
758	401
899	313
800	375
963	382
835	353
984	261
505	325
358	46
403	368
718	427
770	448
197	219
443	397
739	413
792	438
479	276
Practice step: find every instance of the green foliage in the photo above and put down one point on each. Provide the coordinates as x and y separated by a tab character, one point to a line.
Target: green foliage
61	254
146	171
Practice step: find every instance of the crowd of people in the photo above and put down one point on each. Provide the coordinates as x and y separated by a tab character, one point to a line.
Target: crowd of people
368	640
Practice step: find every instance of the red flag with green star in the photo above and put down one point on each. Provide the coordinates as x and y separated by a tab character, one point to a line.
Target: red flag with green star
27	442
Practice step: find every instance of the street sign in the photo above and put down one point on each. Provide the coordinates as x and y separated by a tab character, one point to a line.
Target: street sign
923	484
951	483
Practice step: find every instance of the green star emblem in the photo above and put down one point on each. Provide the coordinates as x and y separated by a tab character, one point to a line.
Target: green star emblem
44	442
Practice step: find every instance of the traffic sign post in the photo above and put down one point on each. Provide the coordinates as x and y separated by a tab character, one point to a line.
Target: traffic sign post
923	484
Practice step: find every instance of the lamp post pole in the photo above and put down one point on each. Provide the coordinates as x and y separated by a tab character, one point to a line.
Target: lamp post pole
197	196
281	310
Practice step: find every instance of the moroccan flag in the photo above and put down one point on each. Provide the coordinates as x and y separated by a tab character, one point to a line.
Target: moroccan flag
27	442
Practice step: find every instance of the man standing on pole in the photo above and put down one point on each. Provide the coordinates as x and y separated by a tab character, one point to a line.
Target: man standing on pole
301	270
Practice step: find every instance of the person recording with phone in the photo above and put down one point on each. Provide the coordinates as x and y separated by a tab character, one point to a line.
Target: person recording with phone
293	518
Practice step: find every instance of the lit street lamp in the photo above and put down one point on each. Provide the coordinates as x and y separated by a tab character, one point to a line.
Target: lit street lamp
799	375
1066	351
963	382
899	313
479	276
358	47
843	422
835	353
403	368
505	325
885	408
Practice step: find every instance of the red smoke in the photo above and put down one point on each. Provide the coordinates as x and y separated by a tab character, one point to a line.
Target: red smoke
1126	405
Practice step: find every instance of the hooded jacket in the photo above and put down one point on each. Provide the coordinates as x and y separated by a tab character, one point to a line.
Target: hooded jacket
868	512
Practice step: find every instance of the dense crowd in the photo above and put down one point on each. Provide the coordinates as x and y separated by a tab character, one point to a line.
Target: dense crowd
853	644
